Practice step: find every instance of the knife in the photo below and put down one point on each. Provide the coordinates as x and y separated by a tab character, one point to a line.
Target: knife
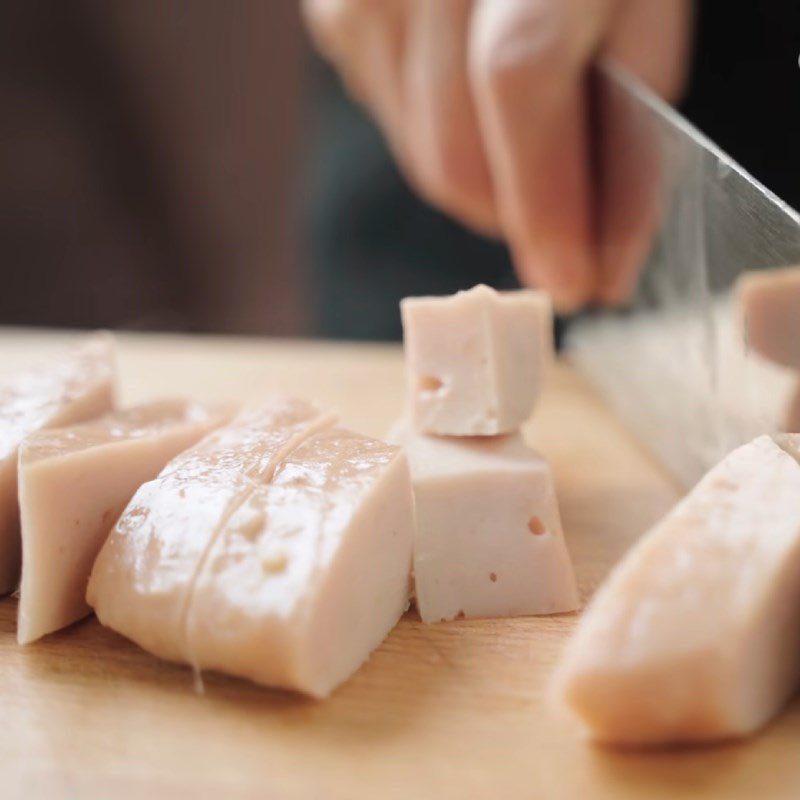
674	363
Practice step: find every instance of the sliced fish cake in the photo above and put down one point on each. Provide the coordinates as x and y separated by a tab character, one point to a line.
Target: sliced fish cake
695	636
769	304
475	360
73	485
489	541
311	573
142	579
74	387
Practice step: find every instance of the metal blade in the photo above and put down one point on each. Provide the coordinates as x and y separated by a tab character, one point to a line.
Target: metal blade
675	363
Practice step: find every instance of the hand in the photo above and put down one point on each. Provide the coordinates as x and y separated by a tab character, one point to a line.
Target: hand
484	105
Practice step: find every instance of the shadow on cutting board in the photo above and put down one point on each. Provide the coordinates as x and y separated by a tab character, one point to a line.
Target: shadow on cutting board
384	695
764	766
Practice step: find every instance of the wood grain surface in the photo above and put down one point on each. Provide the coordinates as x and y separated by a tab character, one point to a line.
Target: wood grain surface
456	710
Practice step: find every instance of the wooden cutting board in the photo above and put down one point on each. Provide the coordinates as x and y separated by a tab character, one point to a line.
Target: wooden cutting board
457	710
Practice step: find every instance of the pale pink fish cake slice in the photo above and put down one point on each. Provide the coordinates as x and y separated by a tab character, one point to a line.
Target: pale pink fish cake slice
695	636
142	579
73	485
71	388
311	573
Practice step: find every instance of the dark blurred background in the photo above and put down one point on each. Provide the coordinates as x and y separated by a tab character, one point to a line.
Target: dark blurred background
192	166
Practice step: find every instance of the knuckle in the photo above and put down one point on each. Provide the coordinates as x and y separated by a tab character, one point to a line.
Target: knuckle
332	22
513	50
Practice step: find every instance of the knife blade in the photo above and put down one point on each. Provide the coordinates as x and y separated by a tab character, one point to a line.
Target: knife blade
674	363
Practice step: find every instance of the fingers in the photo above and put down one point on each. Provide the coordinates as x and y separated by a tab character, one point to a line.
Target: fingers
444	142
628	195
485	105
527	64
652	39
406	61
365	40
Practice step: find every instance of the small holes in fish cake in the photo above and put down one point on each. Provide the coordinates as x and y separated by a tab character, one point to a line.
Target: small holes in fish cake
430	384
536	526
